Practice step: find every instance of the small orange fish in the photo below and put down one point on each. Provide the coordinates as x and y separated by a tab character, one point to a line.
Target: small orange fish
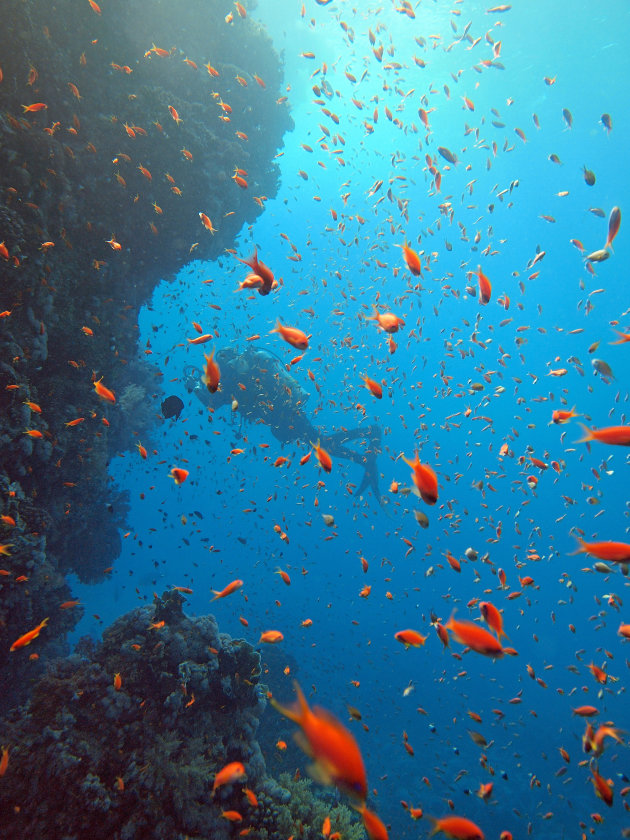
231	773
33	433
457	828
425	480
212	374
410	638
373	387
231	587
27	638
475	637
175	115
292	335
117	682
207	223
493	618
103	392
68	605
412	259
4	761
179	475
387	321
324	459
271	637
603	787
561	416
485	287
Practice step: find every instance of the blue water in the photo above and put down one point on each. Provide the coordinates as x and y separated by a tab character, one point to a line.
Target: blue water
566	620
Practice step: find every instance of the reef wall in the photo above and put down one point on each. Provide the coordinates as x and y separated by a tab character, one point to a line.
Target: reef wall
120	123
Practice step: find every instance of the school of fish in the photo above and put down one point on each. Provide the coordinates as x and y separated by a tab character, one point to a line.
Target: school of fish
416	308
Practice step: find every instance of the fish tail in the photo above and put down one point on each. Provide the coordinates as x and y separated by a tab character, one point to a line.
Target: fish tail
588	434
582	547
450	623
294	713
622	338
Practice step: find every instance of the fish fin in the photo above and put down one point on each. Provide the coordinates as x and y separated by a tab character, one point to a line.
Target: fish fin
588	434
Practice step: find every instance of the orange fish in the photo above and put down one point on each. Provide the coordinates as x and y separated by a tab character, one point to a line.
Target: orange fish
205	221
4	761
607	550
232	816
179	475
232	772
585	711
476	638
373	387
410	638
603	787
493	618
412	259
424	479
68	605
175	115
117	682
271	637
251	797
613	435
103	392
231	587
485	287
261	270
36	106
457	828
292	335
333	748
325	461
560	416
27	638
212	374
373	824
387	321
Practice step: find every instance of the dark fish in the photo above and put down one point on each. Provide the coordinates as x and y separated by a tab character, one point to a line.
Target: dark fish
172	407
447	155
607	122
589	176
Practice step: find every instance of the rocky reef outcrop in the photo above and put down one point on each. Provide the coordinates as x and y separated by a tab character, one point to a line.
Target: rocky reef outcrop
123	740
120	123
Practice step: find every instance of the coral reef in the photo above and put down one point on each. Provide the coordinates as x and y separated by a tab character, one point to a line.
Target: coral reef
139	760
101	192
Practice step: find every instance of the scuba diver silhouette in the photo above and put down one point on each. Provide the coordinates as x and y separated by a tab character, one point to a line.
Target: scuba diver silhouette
257	380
